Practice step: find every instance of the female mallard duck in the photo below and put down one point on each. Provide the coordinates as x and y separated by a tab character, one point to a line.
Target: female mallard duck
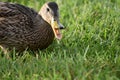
22	27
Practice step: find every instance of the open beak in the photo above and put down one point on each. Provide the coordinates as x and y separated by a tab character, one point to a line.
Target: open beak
56	26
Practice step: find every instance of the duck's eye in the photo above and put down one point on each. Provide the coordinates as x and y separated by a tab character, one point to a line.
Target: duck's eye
48	9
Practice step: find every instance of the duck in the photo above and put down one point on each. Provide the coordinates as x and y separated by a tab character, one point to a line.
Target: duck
24	28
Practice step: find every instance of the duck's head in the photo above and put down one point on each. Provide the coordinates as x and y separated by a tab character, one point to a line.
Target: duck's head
50	13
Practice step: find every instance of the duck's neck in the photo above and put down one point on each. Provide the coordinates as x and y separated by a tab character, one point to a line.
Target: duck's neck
42	35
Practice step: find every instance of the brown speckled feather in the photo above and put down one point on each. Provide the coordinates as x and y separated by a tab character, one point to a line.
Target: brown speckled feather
21	27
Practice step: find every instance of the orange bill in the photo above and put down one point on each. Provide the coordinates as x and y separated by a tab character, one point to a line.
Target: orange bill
56	30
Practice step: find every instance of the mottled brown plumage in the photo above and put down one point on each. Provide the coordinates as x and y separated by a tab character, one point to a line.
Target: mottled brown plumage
22	27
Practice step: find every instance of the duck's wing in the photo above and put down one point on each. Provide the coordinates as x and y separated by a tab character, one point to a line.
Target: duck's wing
15	19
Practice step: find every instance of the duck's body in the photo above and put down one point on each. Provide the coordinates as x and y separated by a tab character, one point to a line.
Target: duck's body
22	27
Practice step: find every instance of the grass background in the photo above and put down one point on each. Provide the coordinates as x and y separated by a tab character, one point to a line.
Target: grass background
89	50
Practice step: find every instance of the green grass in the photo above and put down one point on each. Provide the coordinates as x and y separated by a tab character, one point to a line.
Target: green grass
89	50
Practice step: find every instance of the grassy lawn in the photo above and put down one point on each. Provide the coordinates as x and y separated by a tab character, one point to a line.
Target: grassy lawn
89	50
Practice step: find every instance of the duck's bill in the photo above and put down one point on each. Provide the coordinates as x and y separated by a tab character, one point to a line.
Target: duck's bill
56	29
